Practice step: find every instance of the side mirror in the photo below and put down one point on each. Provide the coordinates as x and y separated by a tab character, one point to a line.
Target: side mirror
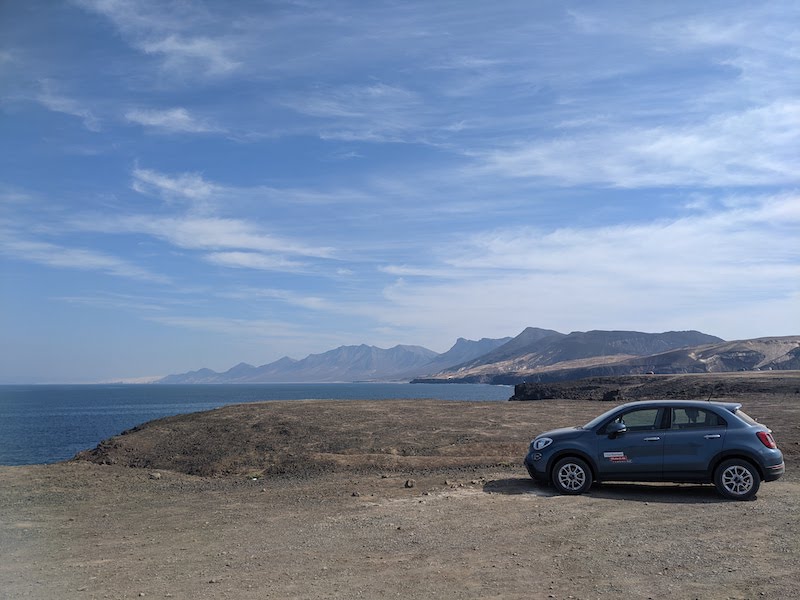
616	429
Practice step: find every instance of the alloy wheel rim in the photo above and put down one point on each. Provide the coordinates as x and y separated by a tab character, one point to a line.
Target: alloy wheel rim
737	480
571	477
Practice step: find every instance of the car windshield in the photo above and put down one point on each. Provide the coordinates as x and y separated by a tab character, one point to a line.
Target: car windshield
599	419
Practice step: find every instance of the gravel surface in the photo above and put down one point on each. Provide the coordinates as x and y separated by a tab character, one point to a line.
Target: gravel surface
400	517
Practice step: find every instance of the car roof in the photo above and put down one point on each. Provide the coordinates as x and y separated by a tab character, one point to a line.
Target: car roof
730	406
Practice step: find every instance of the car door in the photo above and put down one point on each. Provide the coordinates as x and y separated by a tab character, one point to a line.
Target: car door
636	454
694	437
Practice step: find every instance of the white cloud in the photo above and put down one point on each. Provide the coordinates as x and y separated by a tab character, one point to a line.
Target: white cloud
374	112
187	186
203	233
171	31
68	106
63	257
753	147
289	297
748	238
420	271
183	53
173	120
254	260
666	274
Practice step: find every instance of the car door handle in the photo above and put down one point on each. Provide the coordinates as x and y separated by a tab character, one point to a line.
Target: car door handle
652	439
712	436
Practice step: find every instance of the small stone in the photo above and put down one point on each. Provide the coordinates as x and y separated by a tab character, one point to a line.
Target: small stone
155	475
410	483
355	494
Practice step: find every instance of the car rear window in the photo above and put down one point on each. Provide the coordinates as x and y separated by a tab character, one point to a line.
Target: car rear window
690	417
745	417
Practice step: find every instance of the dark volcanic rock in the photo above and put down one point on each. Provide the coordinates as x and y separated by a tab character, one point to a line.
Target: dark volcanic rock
704	386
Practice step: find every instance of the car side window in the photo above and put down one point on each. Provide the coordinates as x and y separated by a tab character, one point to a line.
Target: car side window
643	419
689	418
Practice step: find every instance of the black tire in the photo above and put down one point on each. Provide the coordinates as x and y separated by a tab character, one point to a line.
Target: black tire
571	475
737	479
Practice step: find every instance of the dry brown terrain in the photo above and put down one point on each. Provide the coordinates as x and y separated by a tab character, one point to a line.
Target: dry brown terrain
384	499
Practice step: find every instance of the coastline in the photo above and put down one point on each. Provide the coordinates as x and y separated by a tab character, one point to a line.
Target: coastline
45	424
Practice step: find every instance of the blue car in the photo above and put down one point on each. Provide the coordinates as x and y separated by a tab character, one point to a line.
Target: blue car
669	440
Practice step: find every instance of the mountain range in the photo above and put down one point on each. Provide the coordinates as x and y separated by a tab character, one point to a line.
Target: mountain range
533	355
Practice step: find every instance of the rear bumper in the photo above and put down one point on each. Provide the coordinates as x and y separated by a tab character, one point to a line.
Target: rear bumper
774	472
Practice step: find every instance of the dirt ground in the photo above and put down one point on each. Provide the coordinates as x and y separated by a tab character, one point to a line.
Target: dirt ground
384	499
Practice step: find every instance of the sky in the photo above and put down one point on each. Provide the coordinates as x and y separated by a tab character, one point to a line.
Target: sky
189	184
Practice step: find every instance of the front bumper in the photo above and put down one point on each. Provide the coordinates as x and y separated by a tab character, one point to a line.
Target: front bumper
536	465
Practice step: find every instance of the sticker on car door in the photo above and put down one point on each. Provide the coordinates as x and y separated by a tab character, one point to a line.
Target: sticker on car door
616	456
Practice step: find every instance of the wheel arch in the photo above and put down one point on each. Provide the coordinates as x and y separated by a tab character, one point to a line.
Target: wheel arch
739	454
572	452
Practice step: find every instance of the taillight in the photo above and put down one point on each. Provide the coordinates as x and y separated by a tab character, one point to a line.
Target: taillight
767	439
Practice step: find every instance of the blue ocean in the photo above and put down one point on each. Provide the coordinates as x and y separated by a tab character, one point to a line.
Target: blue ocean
49	423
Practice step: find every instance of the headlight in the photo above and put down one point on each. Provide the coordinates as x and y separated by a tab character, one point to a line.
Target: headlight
541	443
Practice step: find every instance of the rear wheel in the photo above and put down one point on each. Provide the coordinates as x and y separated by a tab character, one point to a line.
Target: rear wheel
572	476
737	479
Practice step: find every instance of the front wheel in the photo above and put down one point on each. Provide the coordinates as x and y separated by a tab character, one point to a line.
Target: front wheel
572	476
737	479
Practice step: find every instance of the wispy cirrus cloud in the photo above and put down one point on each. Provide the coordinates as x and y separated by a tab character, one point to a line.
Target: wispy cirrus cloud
254	260
65	257
183	52
214	233
194	187
289	297
68	106
373	112
748	148
236	243
181	35
171	120
185	186
709	238
700	268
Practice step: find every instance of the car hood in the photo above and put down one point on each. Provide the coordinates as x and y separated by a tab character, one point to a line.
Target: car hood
564	433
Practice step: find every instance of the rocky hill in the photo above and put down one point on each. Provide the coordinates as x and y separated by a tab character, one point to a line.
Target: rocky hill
540	355
346	363
604	354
